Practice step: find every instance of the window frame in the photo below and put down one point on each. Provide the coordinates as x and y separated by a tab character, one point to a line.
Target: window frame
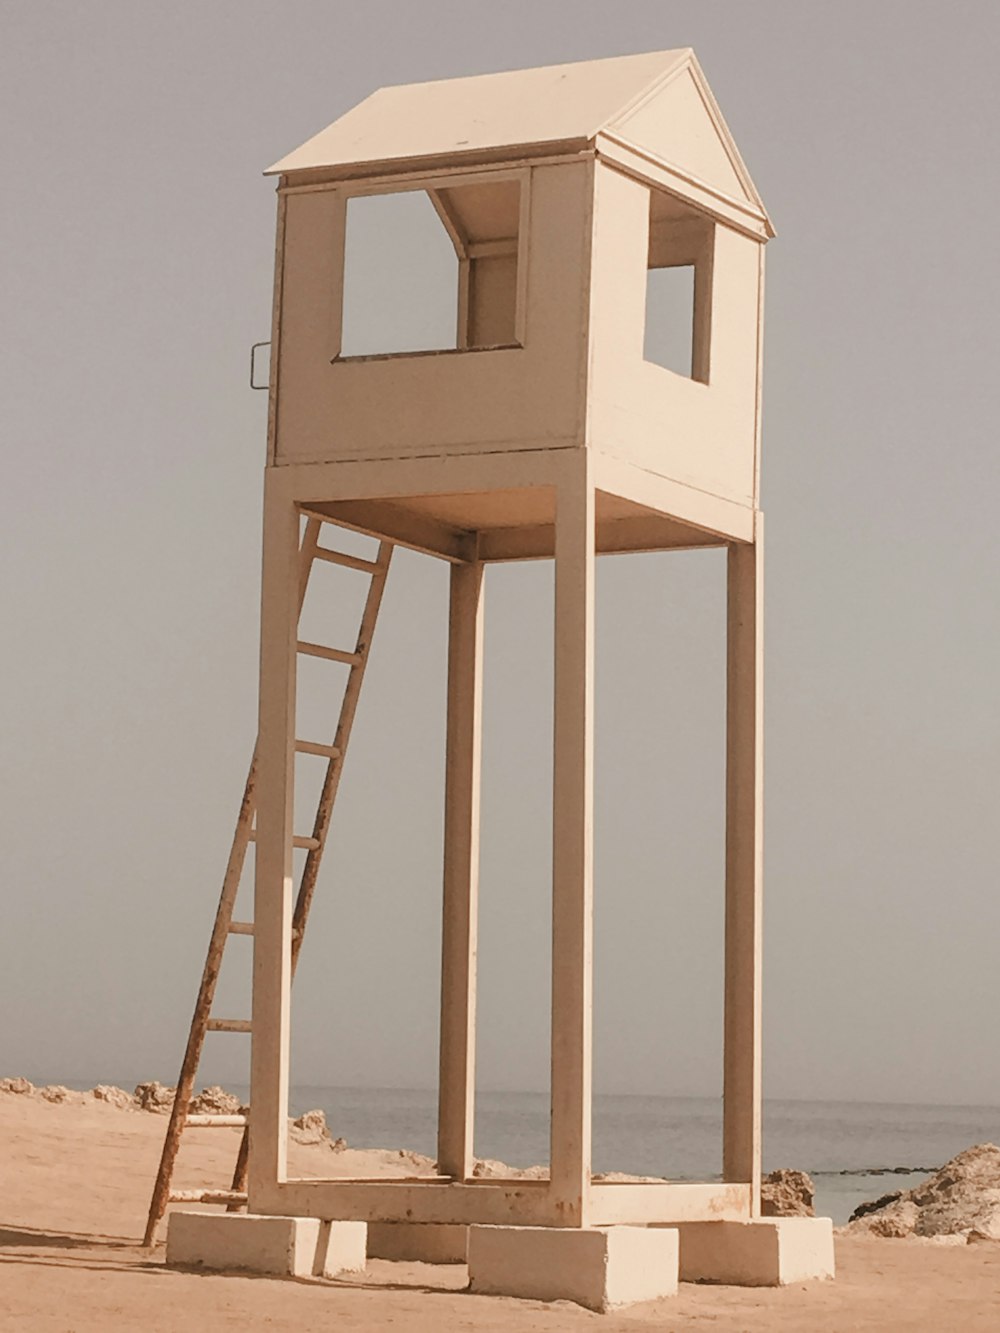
689	242
429	184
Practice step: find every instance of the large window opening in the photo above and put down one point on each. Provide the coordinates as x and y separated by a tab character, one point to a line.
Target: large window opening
677	333
400	276
432	270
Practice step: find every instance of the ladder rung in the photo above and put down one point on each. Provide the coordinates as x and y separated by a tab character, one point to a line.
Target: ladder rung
304	843
241	927
229	1025
216	1121
206	1196
348	561
331	654
312	747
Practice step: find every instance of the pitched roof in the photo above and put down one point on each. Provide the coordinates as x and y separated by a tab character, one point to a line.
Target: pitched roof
658	102
486	111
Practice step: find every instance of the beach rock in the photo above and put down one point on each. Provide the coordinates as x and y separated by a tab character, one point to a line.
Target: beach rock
20	1086
154	1097
875	1205
312	1120
339	1145
623	1178
214	1101
786	1193
894	1221
417	1162
107	1092
55	1092
961	1199
488	1168
310	1127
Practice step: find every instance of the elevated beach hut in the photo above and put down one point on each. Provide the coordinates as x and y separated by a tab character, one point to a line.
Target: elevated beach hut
544	428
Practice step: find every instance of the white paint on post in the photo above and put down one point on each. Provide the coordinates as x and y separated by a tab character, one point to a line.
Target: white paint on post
457	1087
273	878
744	866
572	844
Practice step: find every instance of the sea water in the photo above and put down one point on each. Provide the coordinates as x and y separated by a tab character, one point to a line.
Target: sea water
854	1151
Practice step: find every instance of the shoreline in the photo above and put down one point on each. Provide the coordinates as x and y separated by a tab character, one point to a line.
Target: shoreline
838	1190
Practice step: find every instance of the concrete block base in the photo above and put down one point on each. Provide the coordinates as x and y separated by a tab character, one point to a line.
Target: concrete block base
601	1268
418	1242
769	1252
250	1243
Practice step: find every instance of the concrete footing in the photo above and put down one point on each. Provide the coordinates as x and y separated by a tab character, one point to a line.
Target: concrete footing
250	1243
600	1268
769	1252
418	1242
597	1267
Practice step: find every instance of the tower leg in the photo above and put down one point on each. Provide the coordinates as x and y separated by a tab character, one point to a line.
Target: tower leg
744	826
572	844
457	1084
273	880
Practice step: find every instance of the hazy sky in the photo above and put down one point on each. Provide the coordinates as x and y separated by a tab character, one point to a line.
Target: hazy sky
135	271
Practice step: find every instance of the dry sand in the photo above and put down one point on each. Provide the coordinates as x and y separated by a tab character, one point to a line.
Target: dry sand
74	1185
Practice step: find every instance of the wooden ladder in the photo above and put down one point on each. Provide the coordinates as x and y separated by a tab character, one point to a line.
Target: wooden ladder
203	1022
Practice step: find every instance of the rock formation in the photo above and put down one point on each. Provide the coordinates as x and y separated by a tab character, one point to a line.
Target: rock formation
310	1127
154	1097
786	1193
214	1101
55	1092
106	1092
488	1168
21	1086
961	1199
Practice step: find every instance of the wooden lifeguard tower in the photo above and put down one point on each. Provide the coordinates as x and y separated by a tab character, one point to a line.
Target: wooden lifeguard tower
543	432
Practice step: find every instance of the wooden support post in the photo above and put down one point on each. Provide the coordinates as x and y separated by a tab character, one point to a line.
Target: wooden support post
457	1087
572	845
273	880
744	862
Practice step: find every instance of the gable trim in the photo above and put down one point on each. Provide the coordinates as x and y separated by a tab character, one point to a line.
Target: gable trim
685	55
688	63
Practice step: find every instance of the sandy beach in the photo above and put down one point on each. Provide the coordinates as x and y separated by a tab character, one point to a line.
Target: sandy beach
74	1185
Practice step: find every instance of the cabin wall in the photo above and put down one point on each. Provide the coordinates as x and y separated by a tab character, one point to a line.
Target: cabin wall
525	397
703	435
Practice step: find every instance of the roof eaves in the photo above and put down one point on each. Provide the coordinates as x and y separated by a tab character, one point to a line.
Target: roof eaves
401	168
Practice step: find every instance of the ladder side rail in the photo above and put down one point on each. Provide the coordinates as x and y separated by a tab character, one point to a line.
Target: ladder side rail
216	946
328	795
202	1009
334	769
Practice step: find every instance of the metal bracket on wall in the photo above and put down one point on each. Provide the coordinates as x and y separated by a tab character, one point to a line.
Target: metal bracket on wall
253	364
